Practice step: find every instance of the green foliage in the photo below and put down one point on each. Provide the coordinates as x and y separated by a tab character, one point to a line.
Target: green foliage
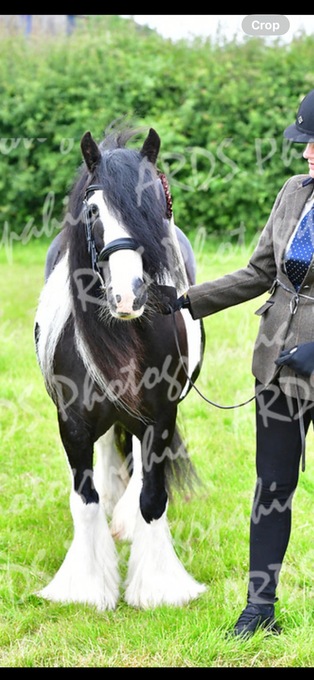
220	110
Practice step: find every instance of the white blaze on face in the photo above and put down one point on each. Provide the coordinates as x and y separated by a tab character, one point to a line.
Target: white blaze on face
125	267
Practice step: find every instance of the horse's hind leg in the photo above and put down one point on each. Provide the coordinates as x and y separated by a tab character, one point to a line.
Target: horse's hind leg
110	474
125	513
89	573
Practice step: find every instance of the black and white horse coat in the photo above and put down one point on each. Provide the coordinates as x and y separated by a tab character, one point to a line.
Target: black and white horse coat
110	362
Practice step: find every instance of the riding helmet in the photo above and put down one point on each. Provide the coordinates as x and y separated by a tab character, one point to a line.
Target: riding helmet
302	130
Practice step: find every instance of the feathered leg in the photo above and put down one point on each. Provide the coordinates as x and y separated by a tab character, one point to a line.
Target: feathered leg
89	573
155	574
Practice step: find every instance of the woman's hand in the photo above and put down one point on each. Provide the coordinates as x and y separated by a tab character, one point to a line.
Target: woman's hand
300	358
181	302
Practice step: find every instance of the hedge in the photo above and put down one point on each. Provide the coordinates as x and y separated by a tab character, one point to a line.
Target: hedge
220	110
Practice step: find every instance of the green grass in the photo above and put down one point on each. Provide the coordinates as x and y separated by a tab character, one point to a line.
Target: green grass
209	528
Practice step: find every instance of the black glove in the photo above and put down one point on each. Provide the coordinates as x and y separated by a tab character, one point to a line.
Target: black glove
300	358
181	302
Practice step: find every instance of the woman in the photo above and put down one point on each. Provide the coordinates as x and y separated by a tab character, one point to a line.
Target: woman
283	360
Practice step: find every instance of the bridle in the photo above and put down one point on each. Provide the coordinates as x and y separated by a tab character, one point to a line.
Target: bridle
113	246
119	243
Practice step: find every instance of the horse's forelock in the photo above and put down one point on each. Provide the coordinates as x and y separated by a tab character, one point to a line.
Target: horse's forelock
118	138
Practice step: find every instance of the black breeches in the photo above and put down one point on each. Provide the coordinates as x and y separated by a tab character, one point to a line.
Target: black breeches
278	452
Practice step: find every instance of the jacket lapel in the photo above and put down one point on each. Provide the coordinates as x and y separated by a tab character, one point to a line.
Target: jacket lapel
293	207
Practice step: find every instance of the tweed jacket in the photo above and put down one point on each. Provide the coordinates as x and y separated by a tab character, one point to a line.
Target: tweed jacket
287	317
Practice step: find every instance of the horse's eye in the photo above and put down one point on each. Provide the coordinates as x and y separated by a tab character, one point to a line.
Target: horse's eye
93	211
98	232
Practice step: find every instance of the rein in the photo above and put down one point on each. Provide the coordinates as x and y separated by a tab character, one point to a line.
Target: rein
212	403
243	403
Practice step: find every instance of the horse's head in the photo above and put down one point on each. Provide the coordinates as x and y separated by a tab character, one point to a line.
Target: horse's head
125	210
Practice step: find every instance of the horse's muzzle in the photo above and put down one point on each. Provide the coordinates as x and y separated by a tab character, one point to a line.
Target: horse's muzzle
128	305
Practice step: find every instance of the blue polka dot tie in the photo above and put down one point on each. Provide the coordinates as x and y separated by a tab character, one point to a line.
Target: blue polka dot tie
301	250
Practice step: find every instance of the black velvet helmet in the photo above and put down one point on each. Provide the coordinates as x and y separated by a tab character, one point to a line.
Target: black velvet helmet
302	131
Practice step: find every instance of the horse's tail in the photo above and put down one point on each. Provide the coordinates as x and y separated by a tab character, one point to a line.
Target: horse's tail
180	473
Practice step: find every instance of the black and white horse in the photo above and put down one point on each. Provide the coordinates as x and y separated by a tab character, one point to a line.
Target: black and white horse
111	364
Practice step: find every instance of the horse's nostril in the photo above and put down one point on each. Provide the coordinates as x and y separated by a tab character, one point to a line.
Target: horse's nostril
118	298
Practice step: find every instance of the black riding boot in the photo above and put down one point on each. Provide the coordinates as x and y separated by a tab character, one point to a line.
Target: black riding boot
256	616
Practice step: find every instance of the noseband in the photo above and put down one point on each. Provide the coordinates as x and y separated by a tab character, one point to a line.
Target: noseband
112	247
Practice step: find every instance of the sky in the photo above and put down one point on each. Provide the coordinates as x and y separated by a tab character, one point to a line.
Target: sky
176	26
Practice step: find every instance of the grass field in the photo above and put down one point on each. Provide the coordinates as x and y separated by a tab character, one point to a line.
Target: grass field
209	528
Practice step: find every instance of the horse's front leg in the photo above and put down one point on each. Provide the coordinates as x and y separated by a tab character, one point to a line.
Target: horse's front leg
155	449
155	574
89	573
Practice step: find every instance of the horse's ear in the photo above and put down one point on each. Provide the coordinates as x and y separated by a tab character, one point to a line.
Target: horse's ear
151	146
90	151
